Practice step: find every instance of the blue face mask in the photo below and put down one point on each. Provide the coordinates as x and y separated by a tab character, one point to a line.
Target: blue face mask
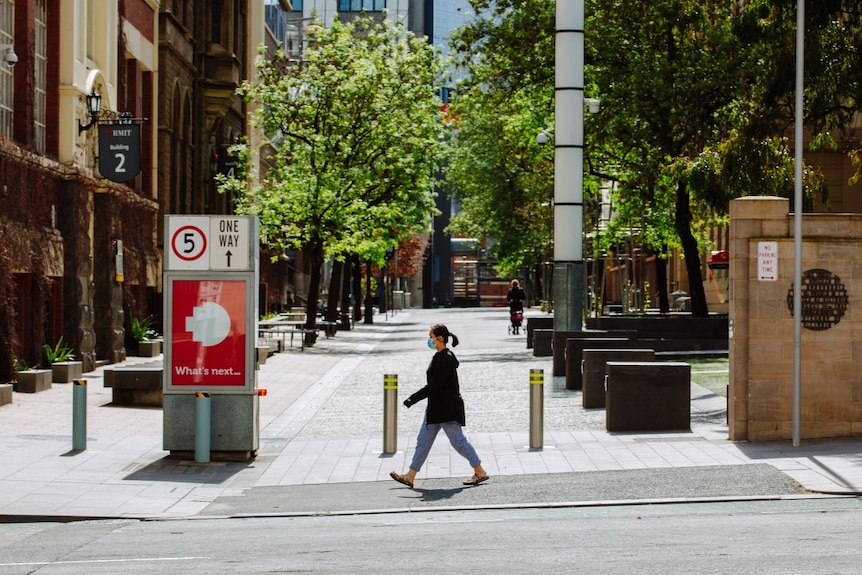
431	344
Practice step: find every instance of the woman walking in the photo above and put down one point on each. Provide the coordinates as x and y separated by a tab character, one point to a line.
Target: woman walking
445	409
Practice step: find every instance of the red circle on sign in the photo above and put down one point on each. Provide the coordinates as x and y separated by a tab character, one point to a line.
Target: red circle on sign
190	254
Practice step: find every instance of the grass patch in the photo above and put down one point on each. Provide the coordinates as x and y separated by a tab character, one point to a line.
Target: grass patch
713	374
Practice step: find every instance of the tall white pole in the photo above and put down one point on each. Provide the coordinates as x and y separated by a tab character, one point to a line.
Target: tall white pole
569	166
797	224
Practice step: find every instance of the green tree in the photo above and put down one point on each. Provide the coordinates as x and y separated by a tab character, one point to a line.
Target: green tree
664	69
502	179
704	92
357	133
697	99
504	185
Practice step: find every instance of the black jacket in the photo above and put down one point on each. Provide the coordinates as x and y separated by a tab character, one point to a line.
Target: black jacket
442	390
516	297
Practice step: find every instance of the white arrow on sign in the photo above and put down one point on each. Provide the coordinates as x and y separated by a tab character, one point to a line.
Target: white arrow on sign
229	243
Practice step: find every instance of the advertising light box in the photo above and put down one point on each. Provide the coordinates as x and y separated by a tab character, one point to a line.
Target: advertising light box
210	347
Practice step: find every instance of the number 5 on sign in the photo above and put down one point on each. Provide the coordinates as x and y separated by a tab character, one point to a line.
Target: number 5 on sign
188	244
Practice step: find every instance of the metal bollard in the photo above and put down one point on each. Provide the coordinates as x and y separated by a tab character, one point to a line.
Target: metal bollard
79	415
537	406
390	413
203	418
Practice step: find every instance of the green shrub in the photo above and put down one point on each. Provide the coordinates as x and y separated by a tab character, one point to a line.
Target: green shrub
59	352
142	329
22	365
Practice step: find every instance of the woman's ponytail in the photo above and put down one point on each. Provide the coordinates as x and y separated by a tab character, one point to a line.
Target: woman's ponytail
440	330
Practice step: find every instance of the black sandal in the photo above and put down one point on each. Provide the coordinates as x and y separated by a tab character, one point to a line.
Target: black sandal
476	480
402	479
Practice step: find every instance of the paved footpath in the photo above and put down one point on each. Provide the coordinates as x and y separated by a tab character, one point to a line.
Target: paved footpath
321	441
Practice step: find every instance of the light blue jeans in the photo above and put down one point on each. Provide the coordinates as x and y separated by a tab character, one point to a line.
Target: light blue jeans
428	433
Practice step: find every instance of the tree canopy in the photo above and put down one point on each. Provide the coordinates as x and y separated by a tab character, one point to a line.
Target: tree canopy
503	180
356	129
697	98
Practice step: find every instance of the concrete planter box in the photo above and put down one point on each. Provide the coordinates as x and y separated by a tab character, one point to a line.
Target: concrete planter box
66	371
138	385
5	393
32	381
149	348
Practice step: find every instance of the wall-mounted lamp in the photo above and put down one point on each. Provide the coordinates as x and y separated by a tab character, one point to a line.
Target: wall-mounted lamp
9	55
593	105
94	106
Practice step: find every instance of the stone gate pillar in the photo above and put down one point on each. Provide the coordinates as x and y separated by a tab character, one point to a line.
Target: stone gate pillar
761	343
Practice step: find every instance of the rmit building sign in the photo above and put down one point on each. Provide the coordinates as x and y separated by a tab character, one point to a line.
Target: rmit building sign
119	151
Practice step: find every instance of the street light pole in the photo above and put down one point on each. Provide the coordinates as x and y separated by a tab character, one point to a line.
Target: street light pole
797	225
569	166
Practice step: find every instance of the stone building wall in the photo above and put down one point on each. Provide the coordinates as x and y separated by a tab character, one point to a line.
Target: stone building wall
761	344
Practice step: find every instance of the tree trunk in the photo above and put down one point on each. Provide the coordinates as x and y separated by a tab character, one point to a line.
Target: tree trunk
383	288
538	286
316	256
369	310
334	291
357	289
682	223
661	280
344	319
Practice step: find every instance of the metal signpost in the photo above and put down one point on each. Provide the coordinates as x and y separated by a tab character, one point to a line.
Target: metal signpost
211	309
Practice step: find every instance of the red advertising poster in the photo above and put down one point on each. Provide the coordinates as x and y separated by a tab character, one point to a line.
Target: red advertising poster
208	333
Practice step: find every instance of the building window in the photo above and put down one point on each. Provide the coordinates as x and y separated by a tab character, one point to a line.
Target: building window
361	5
224	24
41	79
7	78
92	27
276	21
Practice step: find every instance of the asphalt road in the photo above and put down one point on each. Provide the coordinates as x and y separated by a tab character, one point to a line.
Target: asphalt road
678	484
776	537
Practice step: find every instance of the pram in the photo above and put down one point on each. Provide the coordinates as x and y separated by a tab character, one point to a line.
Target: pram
516	316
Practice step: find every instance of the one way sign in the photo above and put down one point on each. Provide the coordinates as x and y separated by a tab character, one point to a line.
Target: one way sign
230	238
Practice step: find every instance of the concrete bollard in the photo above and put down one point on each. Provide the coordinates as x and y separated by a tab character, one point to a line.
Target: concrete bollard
537	406
203	419
79	415
390	413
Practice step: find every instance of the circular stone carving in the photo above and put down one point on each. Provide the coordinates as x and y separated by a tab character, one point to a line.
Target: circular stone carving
824	299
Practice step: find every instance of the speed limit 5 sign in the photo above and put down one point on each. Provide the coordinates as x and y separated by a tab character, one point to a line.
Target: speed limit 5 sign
187	243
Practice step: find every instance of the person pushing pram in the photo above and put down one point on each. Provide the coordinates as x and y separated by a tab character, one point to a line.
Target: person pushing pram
515	298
